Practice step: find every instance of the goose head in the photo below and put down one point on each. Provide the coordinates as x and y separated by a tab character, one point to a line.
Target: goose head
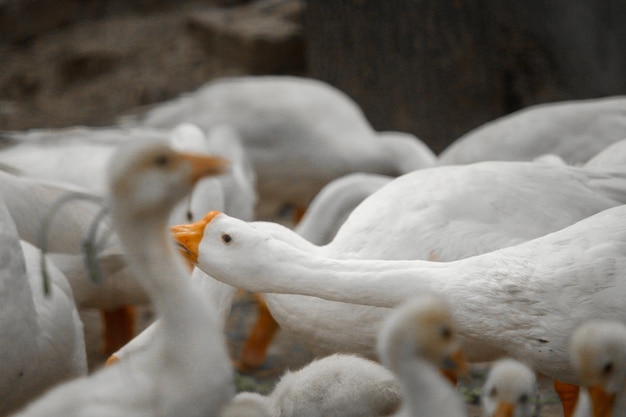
150	178
421	327
598	353
509	390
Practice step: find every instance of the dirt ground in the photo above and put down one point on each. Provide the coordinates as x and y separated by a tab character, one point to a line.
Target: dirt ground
93	72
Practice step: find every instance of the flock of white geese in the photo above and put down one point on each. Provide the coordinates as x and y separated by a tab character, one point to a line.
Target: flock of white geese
509	247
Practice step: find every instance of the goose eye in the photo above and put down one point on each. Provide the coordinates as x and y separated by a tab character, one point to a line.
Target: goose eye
189	216
493	393
608	368
161	160
226	238
523	399
446	333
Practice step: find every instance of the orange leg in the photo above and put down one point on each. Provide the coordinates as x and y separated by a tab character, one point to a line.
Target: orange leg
255	348
119	328
298	213
569	396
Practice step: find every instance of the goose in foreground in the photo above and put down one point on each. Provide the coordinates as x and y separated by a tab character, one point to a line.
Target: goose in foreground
456	211
598	352
574	130
41	336
186	372
339	385
300	134
510	390
79	157
522	301
418	338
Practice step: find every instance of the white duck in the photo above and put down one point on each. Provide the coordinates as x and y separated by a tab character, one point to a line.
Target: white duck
598	352
521	301
41	336
574	130
417	339
300	133
435	214
510	390
187	372
614	154
339	385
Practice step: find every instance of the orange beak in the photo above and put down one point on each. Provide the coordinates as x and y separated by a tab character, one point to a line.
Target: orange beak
188	236
204	165
456	366
504	409
601	401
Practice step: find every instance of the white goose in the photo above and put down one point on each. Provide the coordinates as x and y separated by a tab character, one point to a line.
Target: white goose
417	339
521	301
510	390
598	352
574	130
41	336
300	134
187	372
339	385
435	213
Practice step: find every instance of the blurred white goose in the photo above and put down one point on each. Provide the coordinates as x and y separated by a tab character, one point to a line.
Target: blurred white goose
41	336
334	386
598	352
30	202
574	130
300	134
417	339
614	154
187	371
510	390
521	301
80	156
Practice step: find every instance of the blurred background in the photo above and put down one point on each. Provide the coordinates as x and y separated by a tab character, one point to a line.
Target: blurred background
433	68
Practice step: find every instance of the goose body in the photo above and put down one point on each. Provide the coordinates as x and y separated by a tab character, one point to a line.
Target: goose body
614	154
42	342
574	130
300	133
187	371
30	200
338	385
522	301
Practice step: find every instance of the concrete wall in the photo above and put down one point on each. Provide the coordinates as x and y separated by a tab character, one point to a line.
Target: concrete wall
439	68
